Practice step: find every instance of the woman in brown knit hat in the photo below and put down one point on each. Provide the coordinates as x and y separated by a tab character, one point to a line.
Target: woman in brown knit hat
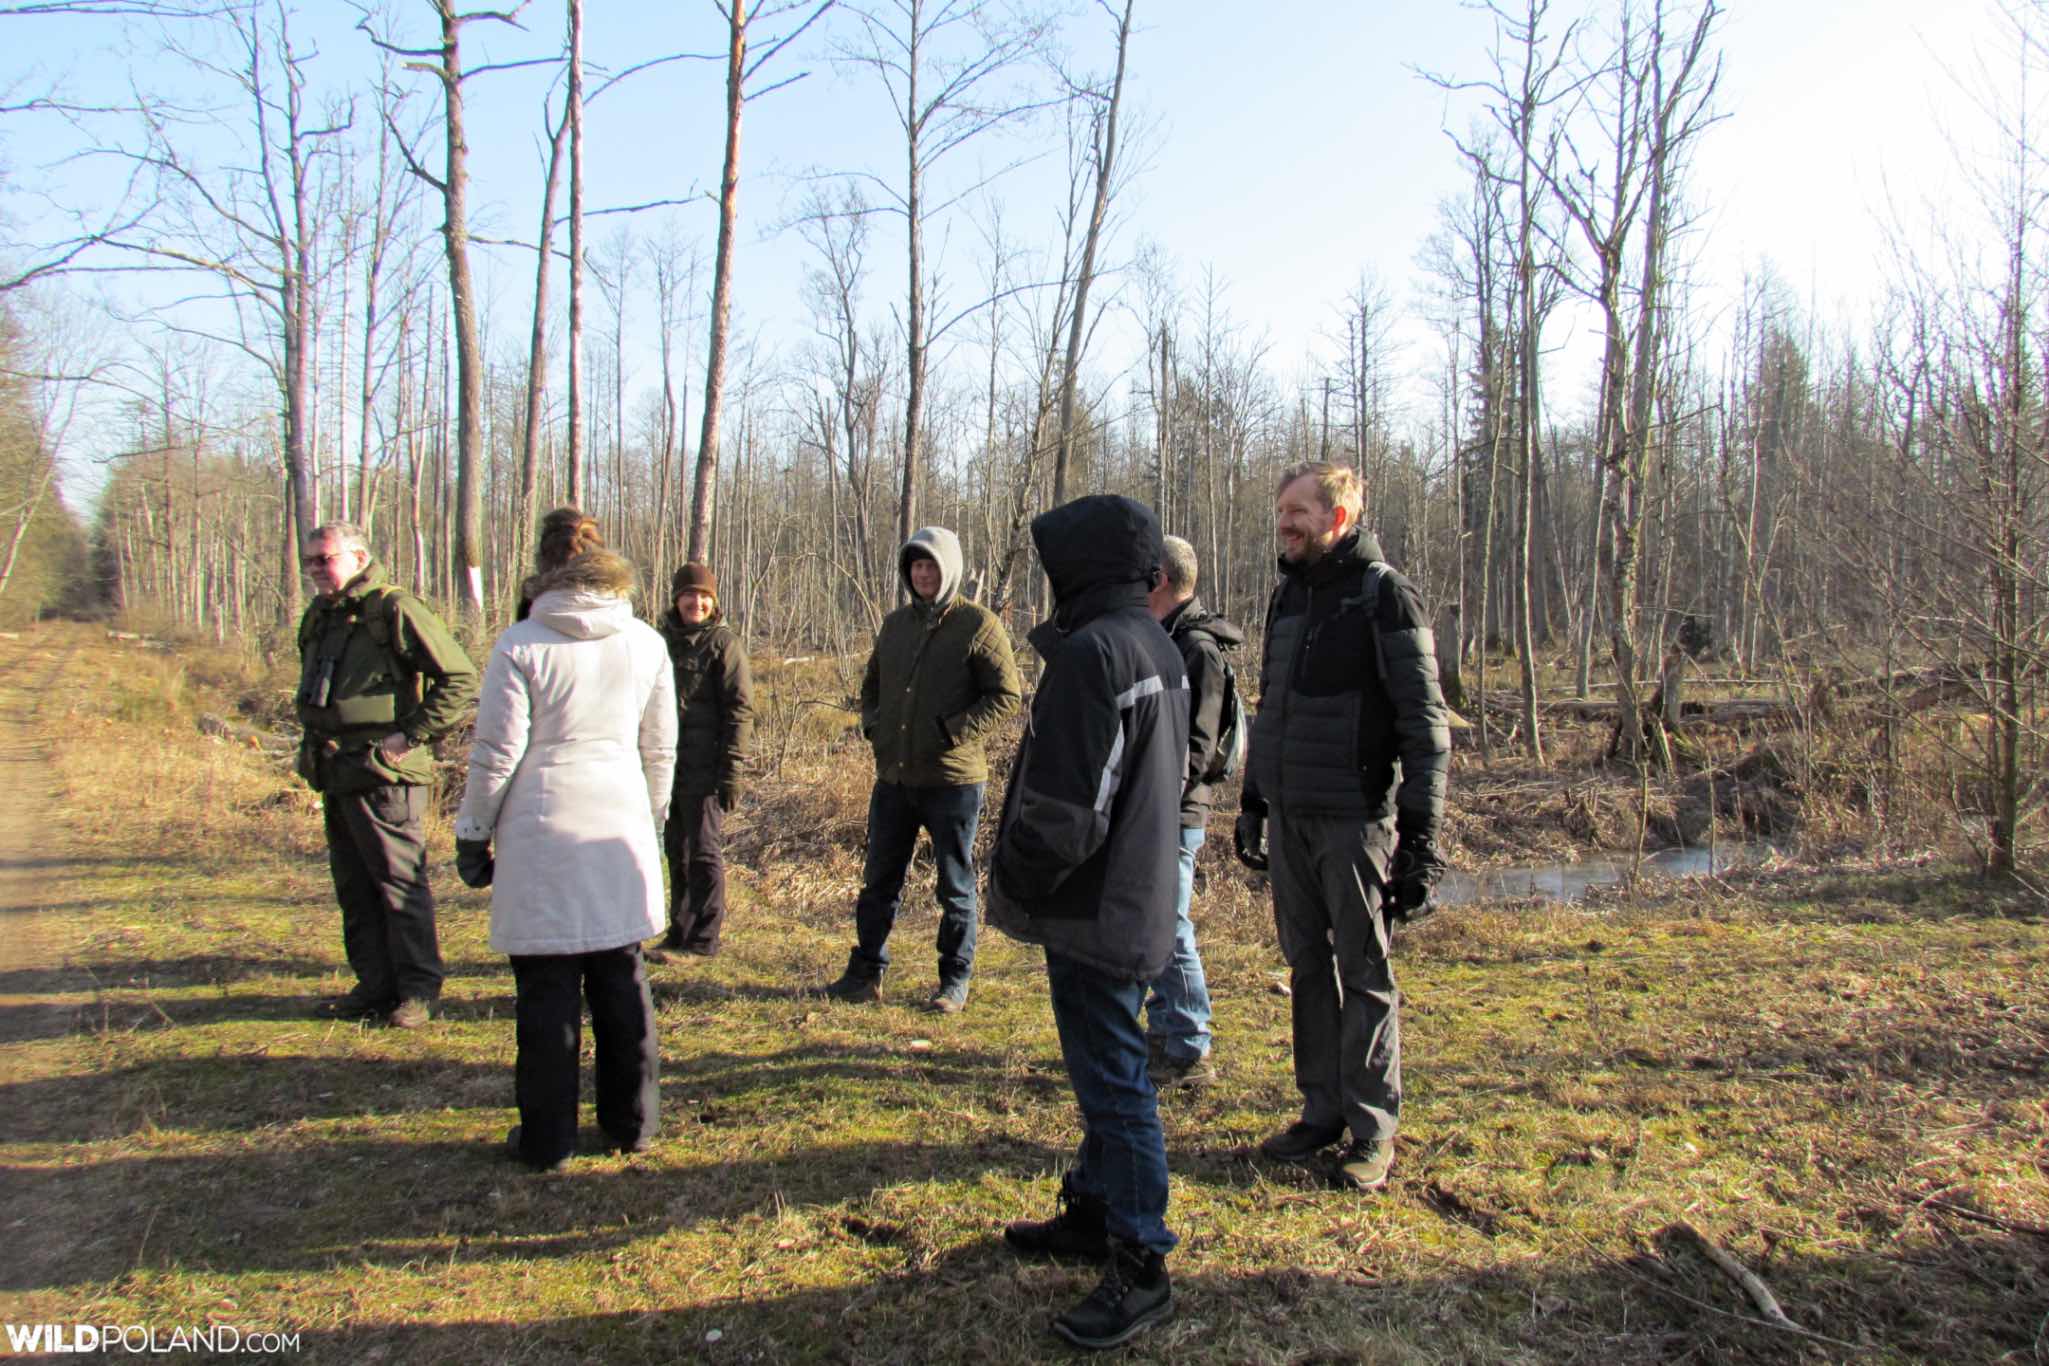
715	695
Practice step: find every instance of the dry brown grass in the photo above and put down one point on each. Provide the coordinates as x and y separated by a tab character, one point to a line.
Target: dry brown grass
1836	1076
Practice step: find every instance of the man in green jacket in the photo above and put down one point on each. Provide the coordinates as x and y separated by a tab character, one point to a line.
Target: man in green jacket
940	678
381	679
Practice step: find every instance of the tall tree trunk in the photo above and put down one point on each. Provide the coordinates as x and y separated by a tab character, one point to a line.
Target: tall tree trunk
575	453
537	349
469	383
705	488
914	320
1106	160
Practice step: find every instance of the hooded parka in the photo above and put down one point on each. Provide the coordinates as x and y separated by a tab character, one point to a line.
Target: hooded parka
1087	849
571	768
940	678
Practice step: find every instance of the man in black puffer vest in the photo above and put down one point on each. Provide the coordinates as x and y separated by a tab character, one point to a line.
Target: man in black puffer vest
1084	856
1350	749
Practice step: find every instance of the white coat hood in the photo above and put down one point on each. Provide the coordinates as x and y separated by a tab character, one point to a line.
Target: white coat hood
570	771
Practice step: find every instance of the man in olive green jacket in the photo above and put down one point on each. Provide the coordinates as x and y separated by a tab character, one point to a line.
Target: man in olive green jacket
940	678
380	680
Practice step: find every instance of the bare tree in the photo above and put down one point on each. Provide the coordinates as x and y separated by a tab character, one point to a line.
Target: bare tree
939	61
255	228
574	118
537	339
445	63
740	69
1523	88
1103	155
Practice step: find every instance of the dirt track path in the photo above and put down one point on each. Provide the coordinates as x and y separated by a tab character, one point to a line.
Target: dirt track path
30	851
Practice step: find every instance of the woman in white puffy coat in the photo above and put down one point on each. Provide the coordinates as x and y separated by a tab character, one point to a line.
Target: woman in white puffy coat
569	778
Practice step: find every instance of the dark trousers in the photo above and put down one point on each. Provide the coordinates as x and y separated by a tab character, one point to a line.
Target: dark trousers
377	851
1327	873
1123	1157
552	989
895	815
694	839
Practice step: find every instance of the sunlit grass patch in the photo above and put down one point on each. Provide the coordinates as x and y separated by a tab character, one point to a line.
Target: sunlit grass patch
1836	1076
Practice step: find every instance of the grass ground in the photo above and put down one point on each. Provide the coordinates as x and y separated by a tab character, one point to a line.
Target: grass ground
1837	1076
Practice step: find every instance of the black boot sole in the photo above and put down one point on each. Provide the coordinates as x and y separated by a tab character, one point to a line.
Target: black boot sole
1159	1314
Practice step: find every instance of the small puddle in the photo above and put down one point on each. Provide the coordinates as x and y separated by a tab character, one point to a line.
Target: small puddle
1566	881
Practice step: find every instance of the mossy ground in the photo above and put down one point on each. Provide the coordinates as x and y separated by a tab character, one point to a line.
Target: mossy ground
1838	1075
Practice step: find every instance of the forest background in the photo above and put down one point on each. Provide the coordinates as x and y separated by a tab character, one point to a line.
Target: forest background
1650	324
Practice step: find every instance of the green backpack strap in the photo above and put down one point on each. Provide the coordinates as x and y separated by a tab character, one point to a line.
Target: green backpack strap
384	618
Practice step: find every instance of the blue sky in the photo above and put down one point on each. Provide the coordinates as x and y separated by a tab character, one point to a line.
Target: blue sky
1293	145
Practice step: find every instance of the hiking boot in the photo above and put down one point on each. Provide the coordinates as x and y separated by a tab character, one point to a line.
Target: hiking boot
1169	1072
860	984
1363	1165
950	999
514	1151
1133	1295
1076	1230
410	1013
354	1006
663	949
1299	1142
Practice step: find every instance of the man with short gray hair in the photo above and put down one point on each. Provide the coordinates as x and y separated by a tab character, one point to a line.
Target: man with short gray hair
1178	1010
381	679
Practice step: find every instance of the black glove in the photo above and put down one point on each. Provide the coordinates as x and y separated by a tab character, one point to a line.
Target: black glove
1414	871
473	862
1249	836
729	794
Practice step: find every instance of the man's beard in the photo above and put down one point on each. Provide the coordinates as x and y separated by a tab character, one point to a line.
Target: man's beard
1308	552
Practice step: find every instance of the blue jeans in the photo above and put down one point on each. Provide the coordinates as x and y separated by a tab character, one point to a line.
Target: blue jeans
895	815
1177	1014
1123	1157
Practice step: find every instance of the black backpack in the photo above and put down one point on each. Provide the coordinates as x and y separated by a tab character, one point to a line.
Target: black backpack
1236	735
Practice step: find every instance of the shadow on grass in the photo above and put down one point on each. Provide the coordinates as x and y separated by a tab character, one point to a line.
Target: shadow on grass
317	1206
238	1092
200	969
126	860
133	1010
126	905
973	1302
671	987
799	1073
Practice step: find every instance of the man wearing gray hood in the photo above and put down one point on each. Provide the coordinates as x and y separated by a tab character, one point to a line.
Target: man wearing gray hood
940	678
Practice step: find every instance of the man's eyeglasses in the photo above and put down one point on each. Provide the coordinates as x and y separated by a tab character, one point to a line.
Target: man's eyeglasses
315	561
